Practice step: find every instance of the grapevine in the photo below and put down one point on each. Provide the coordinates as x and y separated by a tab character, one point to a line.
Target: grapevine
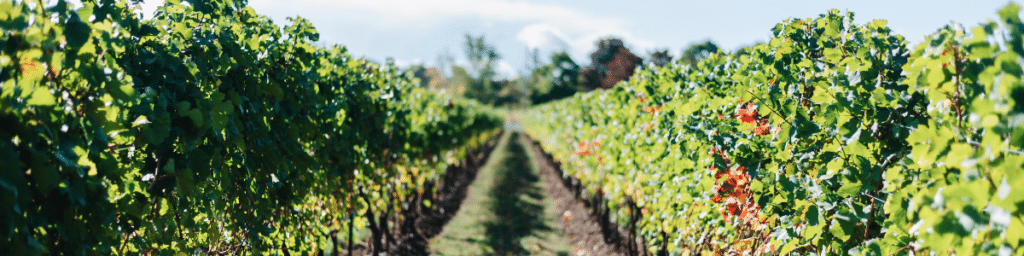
206	129
831	138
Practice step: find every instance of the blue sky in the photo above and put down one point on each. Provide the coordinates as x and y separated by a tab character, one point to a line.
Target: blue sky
419	31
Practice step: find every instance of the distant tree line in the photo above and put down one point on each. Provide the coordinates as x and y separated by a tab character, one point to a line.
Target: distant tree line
557	77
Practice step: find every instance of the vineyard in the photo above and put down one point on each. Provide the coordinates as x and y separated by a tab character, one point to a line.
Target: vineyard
209	130
205	130
833	138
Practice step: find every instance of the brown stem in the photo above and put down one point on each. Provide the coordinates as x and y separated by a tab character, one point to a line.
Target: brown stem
156	172
124	244
374	228
909	246
956	97
664	244
177	222
334	243
351	222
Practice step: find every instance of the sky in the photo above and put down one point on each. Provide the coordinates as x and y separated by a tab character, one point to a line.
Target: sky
419	31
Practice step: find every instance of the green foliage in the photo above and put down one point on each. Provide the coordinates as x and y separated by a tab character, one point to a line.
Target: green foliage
832	138
479	81
556	80
694	53
970	148
204	129
480	78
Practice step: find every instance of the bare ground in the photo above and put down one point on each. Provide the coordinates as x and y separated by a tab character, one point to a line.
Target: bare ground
581	228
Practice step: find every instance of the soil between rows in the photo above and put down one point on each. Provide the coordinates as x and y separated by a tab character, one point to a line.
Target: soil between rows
431	220
514	223
581	230
507	211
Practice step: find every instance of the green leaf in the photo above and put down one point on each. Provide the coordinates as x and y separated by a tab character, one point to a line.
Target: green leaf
183	107
196	116
857	149
878	24
922	134
812	216
253	42
896	207
41	96
936	75
958	152
821	95
121	91
273	88
1011	13
879	97
44	176
186	184
989	121
222	111
788	247
850	189
806	127
87	51
813	232
836	165
833	55
77	31
842	229
1015	233
182	29
784	48
164	206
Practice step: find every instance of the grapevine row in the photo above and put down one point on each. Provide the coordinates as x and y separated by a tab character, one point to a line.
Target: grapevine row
206	129
832	138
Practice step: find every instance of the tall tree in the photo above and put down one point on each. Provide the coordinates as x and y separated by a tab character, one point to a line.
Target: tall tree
697	52
746	49
660	58
610	63
482	57
556	80
429	77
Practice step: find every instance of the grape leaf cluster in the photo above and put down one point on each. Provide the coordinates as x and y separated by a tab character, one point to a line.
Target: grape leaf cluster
206	129
831	138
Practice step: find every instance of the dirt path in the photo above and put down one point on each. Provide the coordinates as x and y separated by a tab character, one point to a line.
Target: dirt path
580	228
507	198
413	234
507	211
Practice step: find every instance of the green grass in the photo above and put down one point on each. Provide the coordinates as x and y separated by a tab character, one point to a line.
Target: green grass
507	211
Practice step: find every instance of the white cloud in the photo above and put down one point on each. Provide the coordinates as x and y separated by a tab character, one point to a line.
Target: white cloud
148	8
404	63
546	26
505	70
406	13
550	37
543	36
